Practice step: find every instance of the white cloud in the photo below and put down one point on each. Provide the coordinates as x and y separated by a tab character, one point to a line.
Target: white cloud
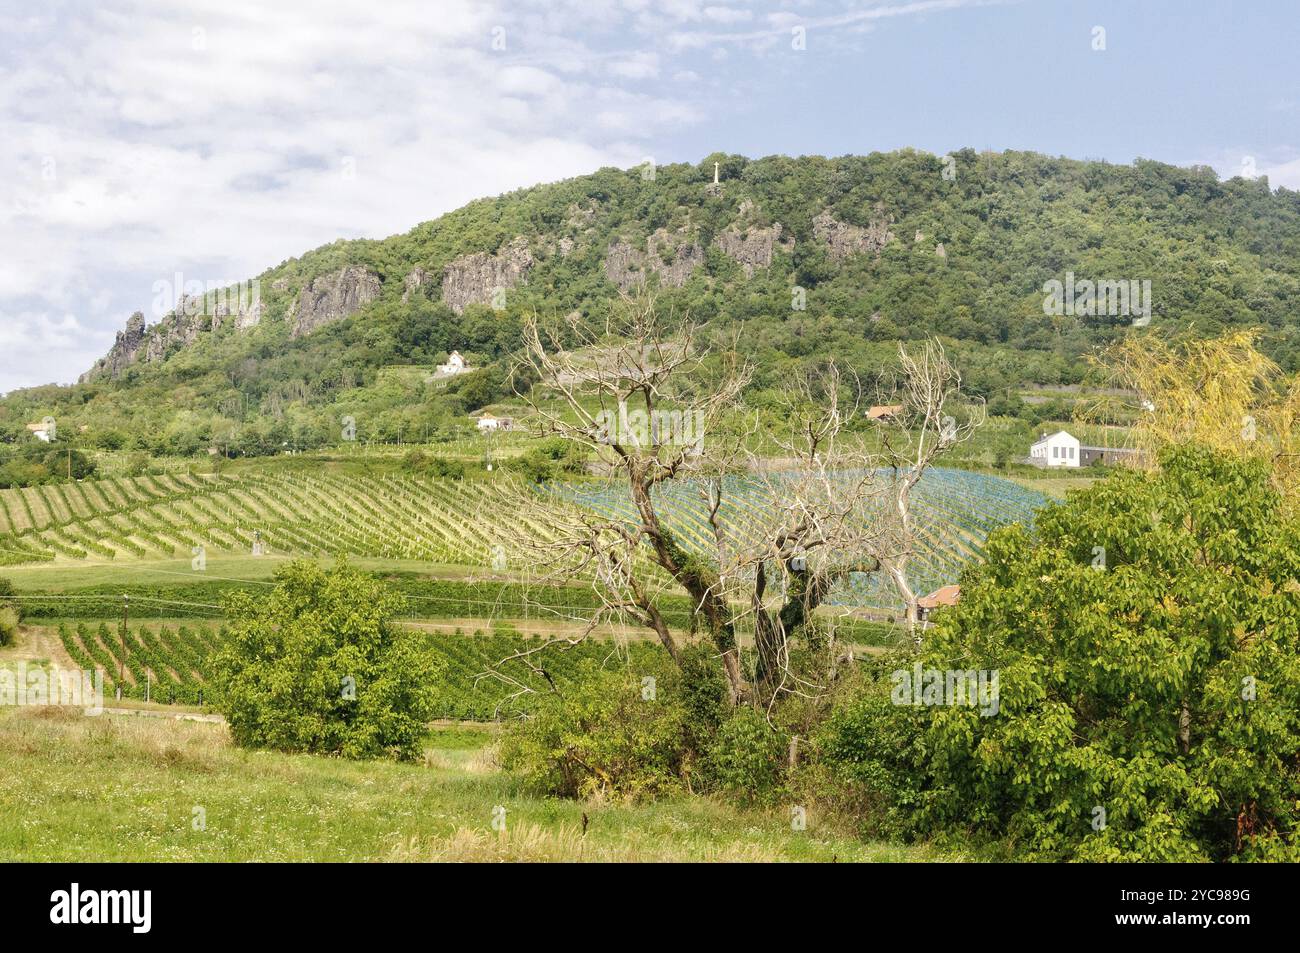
210	137
780	23
637	66
1280	165
1283	174
38	348
727	14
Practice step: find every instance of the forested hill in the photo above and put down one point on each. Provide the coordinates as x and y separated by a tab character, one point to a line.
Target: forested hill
816	256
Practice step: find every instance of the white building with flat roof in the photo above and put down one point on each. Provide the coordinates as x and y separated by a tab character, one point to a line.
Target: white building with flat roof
1059	449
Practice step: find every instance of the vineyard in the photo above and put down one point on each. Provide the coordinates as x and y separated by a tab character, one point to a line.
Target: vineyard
160	664
172	665
446	522
440	521
954	512
466	693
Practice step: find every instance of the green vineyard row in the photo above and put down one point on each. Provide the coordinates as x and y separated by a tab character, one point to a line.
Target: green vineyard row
173	665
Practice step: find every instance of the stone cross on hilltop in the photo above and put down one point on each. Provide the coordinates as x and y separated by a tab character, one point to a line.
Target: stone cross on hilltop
716	187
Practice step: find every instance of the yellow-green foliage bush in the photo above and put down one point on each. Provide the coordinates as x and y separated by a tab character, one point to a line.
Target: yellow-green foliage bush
617	733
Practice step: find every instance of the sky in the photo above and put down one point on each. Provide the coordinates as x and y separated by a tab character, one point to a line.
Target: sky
216	138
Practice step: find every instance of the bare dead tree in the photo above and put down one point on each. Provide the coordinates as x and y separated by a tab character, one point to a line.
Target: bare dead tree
797	502
820	491
931	399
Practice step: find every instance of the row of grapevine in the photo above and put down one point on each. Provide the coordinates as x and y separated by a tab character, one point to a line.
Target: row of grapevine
163	664
171	665
469	691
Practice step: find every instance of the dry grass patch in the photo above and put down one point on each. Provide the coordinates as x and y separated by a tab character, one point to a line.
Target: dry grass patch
533	843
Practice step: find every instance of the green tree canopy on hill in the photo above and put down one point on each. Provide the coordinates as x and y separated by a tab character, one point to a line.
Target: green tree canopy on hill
1219	255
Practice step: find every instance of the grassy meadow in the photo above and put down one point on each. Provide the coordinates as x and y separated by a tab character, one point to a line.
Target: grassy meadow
113	788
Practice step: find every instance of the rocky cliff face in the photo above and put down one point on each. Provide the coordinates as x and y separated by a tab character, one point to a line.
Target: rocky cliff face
193	317
124	352
417	279
475	279
179	329
670	255
752	245
327	298
843	239
332	297
247	315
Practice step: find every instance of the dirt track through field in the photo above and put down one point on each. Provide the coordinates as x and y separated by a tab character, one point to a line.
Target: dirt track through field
35	643
560	629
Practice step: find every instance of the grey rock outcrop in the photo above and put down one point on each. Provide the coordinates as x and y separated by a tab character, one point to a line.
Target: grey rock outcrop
579	217
177	330
332	297
194	316
673	256
475	279
577	228
124	352
752	245
417	279
246	310
844	240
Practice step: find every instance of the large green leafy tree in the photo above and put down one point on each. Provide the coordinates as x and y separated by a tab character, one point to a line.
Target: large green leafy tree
1147	640
319	665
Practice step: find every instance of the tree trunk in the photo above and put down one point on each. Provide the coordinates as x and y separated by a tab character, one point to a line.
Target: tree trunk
665	636
737	688
910	614
705	590
769	640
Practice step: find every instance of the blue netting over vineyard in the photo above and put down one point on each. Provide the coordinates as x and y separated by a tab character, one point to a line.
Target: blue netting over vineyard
954	512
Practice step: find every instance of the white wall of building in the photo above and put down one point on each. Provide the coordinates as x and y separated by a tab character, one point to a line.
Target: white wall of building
1056	450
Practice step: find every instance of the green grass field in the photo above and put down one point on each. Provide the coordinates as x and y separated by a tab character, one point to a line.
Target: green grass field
108	788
